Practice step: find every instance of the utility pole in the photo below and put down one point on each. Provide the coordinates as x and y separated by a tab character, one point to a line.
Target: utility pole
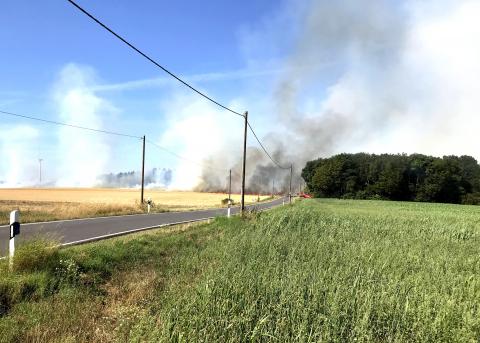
290	193
273	187
40	171
143	170
229	193
242	206
230	188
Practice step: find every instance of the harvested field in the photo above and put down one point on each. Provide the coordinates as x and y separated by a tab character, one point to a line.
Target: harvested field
43	204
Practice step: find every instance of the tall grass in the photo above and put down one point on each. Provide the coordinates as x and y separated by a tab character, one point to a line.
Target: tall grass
337	271
87	293
317	271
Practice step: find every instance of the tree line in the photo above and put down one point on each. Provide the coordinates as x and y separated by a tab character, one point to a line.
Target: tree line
416	177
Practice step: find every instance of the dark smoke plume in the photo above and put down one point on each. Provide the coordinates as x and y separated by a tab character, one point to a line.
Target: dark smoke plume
365	39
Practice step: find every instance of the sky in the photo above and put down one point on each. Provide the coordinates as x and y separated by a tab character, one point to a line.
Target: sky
50	47
317	77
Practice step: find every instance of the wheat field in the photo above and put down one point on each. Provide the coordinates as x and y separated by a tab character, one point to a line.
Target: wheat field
43	204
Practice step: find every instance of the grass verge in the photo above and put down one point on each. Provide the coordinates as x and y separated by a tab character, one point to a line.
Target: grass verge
89	292
316	271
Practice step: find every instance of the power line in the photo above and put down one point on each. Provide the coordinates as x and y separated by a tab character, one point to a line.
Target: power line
265	150
130	45
106	132
183	158
68	125
151	59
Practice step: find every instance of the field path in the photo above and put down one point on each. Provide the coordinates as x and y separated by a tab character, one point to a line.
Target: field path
77	231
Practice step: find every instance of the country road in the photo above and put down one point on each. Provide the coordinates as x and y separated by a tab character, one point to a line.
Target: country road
77	231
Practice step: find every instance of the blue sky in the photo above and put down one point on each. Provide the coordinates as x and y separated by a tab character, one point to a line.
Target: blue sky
190	38
318	77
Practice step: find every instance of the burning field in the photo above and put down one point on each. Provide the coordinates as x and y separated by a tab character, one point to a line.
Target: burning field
43	204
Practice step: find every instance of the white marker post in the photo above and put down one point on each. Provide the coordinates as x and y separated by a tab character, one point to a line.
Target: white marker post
14	230
149	203
228	210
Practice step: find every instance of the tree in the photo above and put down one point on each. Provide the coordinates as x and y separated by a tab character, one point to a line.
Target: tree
327	179
397	177
442	183
309	171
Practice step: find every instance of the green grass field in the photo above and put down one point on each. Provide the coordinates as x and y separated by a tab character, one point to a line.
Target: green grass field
328	270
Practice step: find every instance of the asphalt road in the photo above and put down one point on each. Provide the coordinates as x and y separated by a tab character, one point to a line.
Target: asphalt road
69	232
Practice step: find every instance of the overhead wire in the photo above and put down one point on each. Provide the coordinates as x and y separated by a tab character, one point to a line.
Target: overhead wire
151	59
182	157
68	125
264	149
102	131
96	130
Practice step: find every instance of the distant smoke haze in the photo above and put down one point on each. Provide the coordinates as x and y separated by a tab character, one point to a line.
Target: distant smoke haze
154	178
83	155
18	163
376	76
77	157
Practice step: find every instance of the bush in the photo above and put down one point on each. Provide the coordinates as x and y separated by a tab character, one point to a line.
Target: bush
67	271
251	213
35	255
471	199
225	201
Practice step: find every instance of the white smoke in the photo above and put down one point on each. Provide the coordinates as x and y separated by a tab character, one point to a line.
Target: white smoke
19	164
408	81
373	76
377	76
439	74
84	155
197	130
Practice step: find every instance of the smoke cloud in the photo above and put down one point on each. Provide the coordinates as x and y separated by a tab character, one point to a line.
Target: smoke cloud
203	134
84	156
18	165
156	178
371	76
376	76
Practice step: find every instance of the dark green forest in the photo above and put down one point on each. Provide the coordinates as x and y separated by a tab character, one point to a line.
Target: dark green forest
416	177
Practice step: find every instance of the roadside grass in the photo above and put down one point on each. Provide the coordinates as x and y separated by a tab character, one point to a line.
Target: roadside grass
328	270
89	292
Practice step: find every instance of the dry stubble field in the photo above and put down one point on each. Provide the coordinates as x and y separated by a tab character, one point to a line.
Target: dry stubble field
43	204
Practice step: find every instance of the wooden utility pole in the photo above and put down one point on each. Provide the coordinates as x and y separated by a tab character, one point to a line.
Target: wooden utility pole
290	193
242	205
273	187
143	170
229	193
230	188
